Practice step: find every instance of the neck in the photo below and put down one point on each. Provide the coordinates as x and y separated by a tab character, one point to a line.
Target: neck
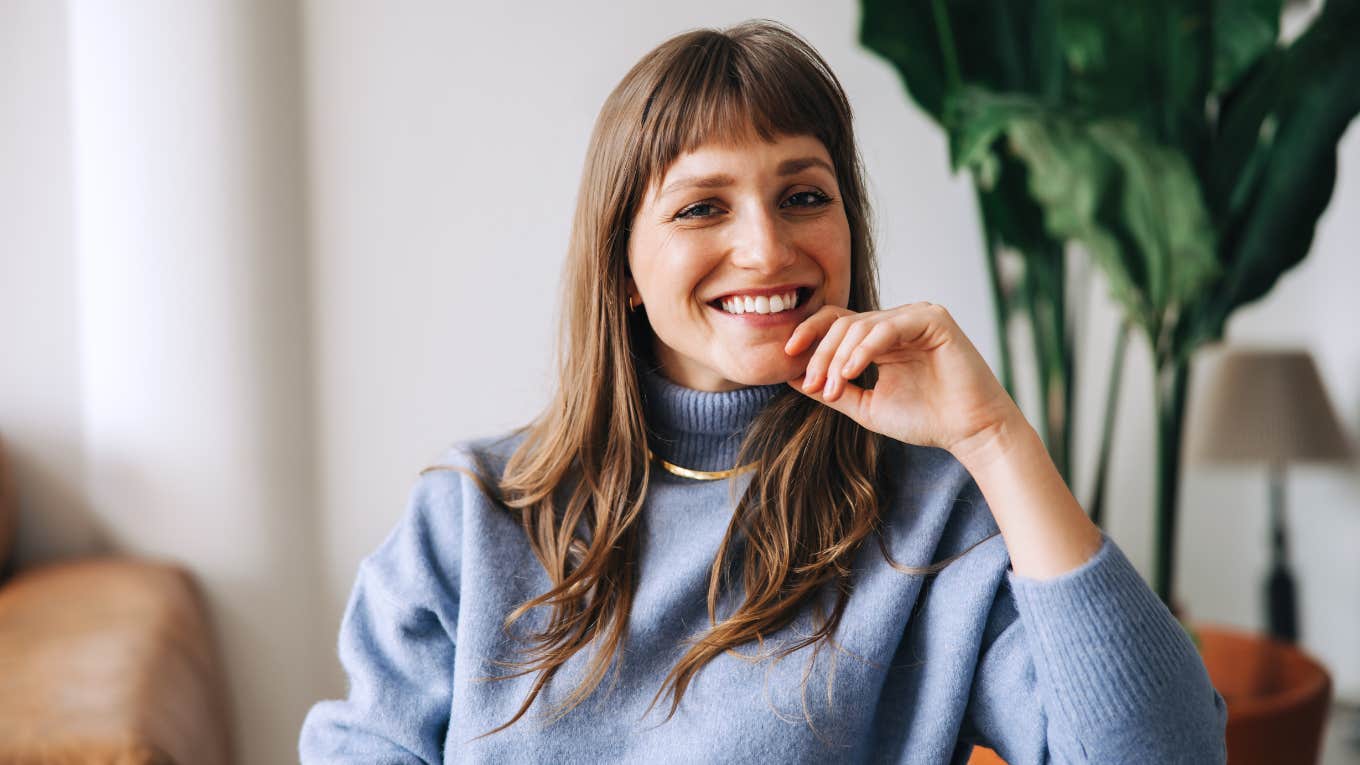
700	430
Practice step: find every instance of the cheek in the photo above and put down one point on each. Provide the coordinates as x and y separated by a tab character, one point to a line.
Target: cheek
831	249
648	264
680	269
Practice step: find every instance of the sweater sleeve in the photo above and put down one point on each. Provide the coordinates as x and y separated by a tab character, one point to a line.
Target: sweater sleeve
396	643
1091	667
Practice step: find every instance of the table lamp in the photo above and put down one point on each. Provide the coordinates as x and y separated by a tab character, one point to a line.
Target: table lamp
1269	405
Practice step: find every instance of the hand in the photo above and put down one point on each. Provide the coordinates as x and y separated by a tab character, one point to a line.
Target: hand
933	388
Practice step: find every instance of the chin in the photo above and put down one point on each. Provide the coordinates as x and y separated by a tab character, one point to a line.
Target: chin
767	373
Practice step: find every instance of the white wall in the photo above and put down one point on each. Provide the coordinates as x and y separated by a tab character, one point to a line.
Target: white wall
274	334
195	347
155	319
40	420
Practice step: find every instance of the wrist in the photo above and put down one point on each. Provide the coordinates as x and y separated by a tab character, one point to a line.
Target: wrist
1003	439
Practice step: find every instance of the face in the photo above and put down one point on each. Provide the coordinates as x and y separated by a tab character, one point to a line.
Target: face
750	223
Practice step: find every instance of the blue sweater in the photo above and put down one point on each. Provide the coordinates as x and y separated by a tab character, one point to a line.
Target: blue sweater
1088	667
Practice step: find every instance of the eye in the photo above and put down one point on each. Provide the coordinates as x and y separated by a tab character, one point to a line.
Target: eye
817	198
689	212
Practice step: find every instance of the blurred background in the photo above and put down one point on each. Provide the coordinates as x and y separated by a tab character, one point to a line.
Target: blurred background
260	262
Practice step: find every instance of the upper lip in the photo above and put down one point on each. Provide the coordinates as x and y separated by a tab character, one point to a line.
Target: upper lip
758	291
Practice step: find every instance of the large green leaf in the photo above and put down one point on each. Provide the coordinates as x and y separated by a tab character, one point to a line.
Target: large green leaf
1150	62
904	33
1244	30
1070	179
1133	204
1315	96
1164	213
1251	76
1012	211
976	117
999	44
977	120
1235	151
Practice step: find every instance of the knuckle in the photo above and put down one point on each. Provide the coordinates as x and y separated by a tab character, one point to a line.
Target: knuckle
935	309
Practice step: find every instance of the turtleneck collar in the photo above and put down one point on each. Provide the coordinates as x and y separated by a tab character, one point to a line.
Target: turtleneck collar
700	430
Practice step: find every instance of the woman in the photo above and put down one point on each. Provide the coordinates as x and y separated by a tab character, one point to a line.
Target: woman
712	510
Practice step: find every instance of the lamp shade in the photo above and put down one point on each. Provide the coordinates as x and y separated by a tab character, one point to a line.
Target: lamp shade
1266	405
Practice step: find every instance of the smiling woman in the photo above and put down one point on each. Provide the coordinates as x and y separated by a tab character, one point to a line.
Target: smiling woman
740	448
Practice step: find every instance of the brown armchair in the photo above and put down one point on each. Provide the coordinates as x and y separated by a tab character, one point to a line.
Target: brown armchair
106	660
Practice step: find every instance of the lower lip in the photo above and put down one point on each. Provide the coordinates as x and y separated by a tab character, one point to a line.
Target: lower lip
753	319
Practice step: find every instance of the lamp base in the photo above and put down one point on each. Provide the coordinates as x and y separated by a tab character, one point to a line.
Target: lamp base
1282	604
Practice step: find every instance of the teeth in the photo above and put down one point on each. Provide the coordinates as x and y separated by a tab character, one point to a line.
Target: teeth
762	304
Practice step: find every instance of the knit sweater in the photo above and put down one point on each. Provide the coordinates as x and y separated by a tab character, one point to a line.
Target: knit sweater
1087	667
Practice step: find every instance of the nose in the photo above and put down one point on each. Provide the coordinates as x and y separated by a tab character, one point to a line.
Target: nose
762	245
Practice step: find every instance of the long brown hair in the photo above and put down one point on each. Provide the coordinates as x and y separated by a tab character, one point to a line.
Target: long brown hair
578	480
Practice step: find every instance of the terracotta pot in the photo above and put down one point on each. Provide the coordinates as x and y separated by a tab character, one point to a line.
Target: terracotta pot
1277	698
984	756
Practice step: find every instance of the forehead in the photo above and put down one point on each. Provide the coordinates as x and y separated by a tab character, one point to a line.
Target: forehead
745	155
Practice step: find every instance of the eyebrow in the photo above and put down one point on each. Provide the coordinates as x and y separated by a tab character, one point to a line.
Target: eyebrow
718	181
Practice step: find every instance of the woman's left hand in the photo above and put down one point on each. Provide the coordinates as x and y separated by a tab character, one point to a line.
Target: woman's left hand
933	388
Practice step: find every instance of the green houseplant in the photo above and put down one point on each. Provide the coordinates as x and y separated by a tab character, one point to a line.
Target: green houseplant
1179	144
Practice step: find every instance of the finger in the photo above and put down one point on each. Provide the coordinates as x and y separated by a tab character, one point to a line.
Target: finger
875	342
851	341
813	327
850	400
915	326
826	348
807	330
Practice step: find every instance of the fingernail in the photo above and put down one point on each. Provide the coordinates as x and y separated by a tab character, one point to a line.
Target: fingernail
830	383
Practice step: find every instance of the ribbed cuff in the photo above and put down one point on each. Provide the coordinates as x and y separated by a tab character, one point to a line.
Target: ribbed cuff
1105	646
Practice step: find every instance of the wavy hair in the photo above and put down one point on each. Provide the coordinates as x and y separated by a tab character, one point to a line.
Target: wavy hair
578	480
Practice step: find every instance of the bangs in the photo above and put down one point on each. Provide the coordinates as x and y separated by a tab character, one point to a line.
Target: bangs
736	90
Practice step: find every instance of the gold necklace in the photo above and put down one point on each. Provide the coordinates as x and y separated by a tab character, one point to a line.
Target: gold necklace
700	475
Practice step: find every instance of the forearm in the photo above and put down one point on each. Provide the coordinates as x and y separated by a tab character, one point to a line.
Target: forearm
1046	531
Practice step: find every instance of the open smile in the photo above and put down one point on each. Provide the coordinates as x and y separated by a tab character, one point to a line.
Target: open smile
762	309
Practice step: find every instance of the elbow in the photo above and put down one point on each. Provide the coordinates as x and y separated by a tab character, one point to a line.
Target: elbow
1204	736
1217	745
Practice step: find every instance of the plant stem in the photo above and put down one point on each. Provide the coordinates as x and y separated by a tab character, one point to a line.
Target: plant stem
1036	323
946	35
1173	378
1066	364
1107	426
1043	288
1000	303
1050	57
